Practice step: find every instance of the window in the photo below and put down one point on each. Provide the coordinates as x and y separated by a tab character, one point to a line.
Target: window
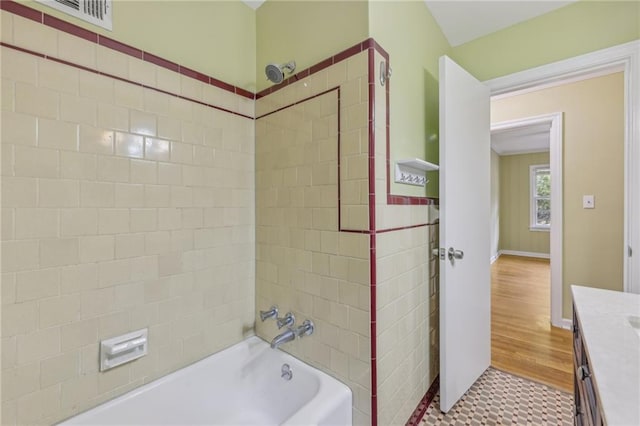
540	177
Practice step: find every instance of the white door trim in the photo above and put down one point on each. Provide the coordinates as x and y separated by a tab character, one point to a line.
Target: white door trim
624	57
555	163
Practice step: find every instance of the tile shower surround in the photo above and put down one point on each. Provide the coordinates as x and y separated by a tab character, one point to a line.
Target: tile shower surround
31	14
287	101
304	261
128	202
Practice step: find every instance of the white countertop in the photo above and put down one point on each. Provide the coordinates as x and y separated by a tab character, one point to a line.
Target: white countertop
613	348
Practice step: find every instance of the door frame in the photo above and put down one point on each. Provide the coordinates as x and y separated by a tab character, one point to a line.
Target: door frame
626	58
555	164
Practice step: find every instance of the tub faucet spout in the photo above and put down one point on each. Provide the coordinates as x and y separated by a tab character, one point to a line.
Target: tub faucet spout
282	338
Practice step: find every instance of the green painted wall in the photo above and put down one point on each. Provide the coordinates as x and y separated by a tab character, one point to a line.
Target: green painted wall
216	38
515	204
408	31
306	31
573	30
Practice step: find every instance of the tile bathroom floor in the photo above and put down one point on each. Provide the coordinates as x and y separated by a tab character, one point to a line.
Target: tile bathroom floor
499	398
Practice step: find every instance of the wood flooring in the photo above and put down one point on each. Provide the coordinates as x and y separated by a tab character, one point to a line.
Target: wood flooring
523	342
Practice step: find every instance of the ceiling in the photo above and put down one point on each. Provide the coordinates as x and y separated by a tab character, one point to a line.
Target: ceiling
521	140
253	4
463	21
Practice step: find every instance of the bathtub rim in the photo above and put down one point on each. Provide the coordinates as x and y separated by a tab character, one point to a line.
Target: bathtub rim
249	341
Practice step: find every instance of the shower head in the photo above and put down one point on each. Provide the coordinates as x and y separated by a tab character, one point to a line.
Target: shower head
275	72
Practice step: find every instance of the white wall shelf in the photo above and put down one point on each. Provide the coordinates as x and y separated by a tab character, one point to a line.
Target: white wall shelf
412	171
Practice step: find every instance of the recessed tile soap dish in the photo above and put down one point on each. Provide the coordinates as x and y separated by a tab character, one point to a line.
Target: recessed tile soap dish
122	349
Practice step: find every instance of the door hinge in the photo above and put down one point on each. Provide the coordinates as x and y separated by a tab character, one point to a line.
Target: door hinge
629	251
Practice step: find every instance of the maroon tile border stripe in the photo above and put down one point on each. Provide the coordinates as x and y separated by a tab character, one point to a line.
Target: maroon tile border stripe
144	86
341	56
356	231
240	91
402	228
317	67
373	271
424	403
69	28
373	263
22	10
119	47
305	100
22	49
196	75
408	200
161	62
338	155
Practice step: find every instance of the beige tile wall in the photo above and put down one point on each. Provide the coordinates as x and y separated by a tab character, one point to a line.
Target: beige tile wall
380	128
304	264
122	208
434	303
406	290
407	320
403	322
354	147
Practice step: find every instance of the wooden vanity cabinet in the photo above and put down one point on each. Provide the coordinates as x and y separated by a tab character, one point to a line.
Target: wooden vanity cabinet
587	409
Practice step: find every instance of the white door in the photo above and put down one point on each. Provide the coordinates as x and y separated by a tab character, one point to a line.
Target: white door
465	283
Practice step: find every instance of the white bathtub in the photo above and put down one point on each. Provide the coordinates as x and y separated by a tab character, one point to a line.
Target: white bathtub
241	385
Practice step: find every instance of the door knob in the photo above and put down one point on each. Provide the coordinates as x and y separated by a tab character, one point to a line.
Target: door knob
455	254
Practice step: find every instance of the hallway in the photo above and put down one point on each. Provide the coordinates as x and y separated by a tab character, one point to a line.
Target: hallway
522	339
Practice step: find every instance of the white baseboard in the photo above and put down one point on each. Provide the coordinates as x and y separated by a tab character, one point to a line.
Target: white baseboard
566	323
524	254
495	257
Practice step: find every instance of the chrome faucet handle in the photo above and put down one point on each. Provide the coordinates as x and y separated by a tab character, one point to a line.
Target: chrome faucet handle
305	329
272	312
288	320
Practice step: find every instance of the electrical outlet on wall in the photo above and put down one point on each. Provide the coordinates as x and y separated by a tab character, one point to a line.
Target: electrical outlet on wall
588	202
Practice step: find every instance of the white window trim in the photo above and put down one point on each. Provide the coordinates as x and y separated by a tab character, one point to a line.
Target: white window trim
533	225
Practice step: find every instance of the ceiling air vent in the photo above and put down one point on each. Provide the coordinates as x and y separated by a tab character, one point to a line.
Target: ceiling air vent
97	12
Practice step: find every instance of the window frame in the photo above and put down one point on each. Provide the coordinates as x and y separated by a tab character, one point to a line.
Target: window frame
533	197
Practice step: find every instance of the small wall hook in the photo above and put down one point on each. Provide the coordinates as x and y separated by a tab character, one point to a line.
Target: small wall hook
385	72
